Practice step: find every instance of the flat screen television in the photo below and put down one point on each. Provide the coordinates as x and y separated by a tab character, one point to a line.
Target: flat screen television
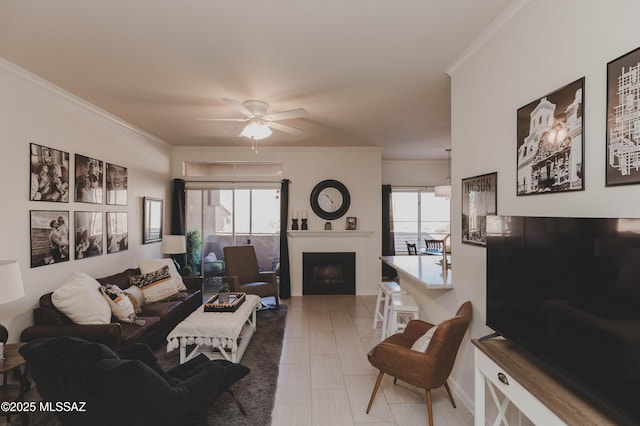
567	290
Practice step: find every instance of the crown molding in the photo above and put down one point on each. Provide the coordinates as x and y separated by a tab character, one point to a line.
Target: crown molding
496	25
70	97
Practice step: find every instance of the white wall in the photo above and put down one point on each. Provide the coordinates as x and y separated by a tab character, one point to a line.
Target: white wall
356	167
547	45
414	173
34	111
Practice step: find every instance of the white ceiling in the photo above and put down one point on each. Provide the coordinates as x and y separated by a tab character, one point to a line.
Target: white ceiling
370	72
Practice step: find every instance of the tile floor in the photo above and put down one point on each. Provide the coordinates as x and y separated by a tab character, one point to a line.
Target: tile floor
326	379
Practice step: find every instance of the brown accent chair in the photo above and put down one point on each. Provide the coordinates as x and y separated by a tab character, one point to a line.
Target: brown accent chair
244	275
428	370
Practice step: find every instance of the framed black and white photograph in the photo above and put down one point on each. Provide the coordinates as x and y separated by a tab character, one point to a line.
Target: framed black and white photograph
351	223
550	142
152	220
116	185
479	199
49	237
623	120
88	235
49	174
117	232
89	180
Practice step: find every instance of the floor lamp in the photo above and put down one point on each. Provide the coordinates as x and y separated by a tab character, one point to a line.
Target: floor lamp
11	289
172	245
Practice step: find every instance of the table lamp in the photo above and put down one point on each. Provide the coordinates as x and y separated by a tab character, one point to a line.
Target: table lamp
172	245
10	289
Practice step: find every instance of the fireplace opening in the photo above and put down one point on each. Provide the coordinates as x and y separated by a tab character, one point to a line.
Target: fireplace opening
329	273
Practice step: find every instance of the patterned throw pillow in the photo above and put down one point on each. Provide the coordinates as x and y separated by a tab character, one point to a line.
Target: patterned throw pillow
423	341
121	306
156	285
150	265
136	296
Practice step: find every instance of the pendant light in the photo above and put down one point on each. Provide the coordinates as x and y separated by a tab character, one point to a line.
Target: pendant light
444	191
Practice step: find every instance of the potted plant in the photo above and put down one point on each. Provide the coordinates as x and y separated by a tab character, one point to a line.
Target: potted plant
224	292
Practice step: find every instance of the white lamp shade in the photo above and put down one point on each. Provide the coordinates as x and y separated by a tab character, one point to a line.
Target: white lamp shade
11	287
256	129
443	191
174	244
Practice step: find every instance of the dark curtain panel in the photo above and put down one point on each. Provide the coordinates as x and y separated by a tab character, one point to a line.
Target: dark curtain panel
388	245
178	209
285	270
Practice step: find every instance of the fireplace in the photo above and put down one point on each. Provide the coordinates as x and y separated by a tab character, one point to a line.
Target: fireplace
329	273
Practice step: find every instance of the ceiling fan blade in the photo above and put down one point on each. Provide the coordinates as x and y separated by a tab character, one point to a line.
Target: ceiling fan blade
221	119
284	115
283	128
238	106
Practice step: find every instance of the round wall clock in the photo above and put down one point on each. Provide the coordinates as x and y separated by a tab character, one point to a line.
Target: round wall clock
330	199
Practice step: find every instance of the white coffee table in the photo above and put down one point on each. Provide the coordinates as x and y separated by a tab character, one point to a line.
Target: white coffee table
216	334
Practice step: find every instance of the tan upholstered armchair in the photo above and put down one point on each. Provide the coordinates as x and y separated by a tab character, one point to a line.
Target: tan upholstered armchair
429	369
243	273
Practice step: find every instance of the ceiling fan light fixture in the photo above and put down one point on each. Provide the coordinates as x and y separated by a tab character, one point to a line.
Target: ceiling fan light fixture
256	129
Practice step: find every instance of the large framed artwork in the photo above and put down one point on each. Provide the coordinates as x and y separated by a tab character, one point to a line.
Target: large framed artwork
152	220
89	177
89	235
623	120
117	232
479	199
49	174
49	237
550	142
116	185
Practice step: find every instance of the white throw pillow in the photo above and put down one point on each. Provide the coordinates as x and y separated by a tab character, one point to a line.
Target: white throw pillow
79	298
423	341
150	265
121	306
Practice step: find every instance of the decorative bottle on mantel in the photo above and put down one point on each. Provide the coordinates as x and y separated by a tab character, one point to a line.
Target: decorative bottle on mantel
327	226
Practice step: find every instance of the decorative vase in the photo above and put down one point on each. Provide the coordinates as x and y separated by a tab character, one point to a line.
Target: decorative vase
294	224
304	225
223	296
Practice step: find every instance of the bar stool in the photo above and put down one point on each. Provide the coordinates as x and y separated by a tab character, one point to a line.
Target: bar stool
401	304
383	303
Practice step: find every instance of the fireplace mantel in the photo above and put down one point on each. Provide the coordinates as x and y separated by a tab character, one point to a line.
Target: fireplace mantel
331	233
358	241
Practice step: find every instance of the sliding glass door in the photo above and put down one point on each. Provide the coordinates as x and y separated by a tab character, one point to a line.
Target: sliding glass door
220	217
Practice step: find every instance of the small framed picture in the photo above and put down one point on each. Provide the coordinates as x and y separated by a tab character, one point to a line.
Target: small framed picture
88	234
550	142
117	232
152	212
49	174
351	223
89	177
479	199
116	185
623	120
49	237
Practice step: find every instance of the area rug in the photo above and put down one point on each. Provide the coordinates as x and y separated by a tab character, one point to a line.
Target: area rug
257	390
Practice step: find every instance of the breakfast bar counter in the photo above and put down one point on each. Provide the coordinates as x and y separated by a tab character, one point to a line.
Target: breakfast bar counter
423	270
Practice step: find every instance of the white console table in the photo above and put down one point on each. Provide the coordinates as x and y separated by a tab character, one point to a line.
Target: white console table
537	394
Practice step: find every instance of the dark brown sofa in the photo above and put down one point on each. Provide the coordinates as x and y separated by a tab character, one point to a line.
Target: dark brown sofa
160	317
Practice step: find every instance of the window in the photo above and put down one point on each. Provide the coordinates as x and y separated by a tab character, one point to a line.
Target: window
418	214
220	217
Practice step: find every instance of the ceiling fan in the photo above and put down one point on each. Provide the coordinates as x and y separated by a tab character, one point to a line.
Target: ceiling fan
259	121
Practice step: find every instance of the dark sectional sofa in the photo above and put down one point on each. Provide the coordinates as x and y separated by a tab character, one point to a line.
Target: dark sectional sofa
160	317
